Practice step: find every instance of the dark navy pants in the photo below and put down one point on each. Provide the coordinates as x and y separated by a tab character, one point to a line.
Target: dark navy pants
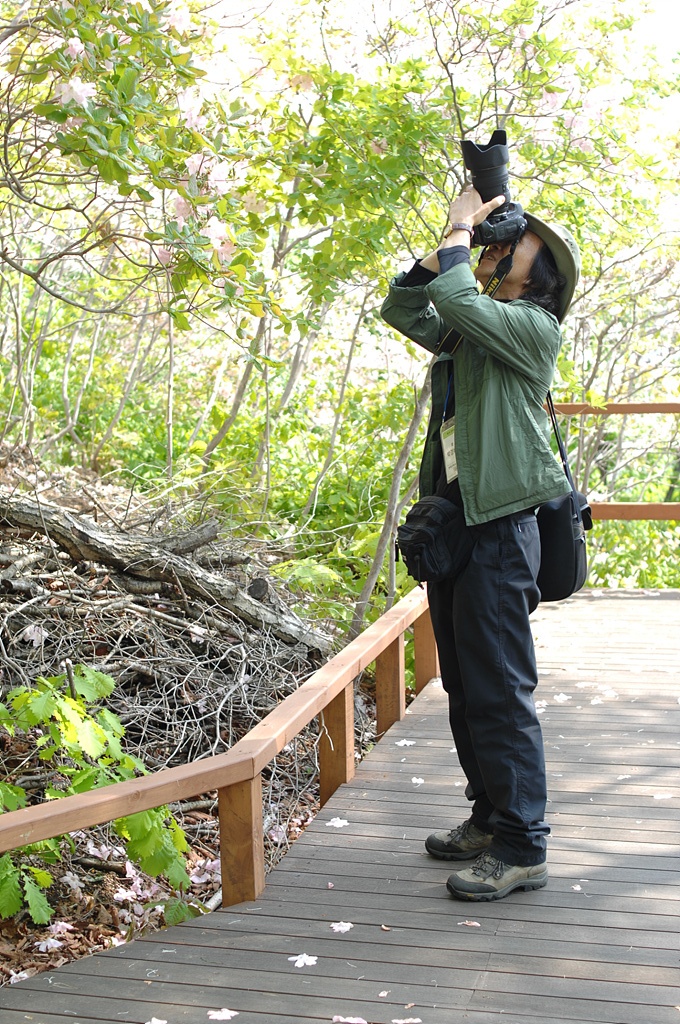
488	667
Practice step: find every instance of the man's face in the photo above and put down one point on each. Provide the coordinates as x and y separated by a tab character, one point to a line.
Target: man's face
517	281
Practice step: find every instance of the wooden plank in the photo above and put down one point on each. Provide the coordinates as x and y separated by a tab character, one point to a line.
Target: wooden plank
241	841
57	817
425	648
336	743
629	510
616	408
390	693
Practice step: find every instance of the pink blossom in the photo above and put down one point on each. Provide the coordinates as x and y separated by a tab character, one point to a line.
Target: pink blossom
75	89
379	147
277	833
48	944
182	211
226	250
198	163
216	232
164	256
253	204
60	927
179	18
220	177
190	103
194	121
75	47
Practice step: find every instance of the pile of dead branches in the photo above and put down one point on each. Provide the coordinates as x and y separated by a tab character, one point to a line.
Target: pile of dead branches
201	647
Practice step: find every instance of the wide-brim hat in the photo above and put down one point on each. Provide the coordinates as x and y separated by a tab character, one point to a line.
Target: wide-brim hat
562	245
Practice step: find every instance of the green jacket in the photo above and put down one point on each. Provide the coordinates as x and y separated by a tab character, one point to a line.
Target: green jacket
502	372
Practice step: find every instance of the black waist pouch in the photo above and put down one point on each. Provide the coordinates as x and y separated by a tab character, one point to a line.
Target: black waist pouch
434	541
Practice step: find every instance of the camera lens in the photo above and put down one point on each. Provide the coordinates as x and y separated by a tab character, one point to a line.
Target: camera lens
488	166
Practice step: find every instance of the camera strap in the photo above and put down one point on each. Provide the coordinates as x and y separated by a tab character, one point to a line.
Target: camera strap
453	338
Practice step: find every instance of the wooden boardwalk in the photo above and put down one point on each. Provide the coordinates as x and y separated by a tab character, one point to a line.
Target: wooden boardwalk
601	943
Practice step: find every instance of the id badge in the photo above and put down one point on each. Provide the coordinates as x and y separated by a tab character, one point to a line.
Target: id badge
448	436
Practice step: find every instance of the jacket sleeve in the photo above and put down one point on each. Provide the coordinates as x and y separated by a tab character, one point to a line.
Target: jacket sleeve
519	334
410	311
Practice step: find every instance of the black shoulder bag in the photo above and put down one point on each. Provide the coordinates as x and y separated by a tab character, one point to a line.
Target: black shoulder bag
562	523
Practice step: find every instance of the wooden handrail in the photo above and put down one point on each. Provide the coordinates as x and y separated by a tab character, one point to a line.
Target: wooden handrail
616	408
236	775
627	510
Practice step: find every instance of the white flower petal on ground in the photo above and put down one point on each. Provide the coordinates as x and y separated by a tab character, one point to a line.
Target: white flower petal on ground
471	924
48	944
407	1020
303	960
620	778
416	781
156	1020
405	743
341	926
577	888
561	698
663	796
337	823
348	1020
222	1014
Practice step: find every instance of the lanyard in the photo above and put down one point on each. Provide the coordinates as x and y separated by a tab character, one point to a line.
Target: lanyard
446	400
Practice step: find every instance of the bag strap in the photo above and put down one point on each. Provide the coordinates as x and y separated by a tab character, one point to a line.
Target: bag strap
583	513
560	443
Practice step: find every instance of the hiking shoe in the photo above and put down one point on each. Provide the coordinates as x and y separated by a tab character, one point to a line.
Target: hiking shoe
462	843
490	879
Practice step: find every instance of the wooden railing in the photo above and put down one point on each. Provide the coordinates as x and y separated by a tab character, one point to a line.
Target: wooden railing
627	510
237	774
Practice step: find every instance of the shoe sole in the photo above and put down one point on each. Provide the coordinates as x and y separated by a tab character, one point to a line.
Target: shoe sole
527	885
463	855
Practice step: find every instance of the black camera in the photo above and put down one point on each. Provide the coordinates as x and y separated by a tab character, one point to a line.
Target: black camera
488	167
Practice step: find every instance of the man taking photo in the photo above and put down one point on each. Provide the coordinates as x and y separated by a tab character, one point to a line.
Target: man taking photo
487	451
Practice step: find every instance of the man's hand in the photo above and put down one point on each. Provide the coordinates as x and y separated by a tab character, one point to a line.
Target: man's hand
468	208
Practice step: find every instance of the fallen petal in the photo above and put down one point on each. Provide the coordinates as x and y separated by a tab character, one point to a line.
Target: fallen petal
303	960
337	823
471	924
342	926
222	1014
405	743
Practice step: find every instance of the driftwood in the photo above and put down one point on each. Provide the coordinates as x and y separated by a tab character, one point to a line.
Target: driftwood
157	559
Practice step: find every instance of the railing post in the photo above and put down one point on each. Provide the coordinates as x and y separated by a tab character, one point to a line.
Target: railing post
336	743
390	693
425	651
239	808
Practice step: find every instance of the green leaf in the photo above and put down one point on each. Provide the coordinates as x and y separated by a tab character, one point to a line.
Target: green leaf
11	899
92	738
38	907
40	706
180	319
11	797
42	878
90	684
176	910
